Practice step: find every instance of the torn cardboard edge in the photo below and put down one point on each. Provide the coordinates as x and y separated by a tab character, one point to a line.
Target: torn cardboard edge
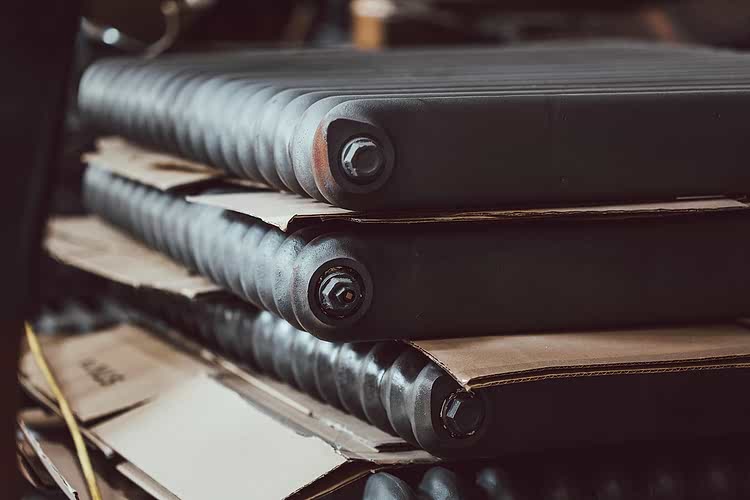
162	171
88	243
111	371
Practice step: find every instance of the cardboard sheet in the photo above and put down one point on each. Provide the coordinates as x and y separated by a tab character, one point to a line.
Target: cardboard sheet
88	243
343	426
50	465
283	210
335	426
288	211
51	405
152	168
110	371
202	440
50	441
485	361
159	170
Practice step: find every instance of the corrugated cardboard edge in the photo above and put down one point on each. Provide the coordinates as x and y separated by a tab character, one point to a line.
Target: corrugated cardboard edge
717	359
289	212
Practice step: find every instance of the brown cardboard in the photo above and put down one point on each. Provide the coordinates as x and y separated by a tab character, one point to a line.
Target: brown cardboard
475	362
320	418
487	361
48	464
360	435
30	464
161	438
289	212
52	406
352	447
283	210
240	451
88	243
159	170
110	371
162	171
128	470
50	442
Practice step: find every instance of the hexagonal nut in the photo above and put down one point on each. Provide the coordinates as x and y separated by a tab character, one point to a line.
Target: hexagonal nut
362	160
463	414
340	294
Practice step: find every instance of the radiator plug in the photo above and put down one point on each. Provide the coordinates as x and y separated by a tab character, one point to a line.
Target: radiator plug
340	292
462	414
362	160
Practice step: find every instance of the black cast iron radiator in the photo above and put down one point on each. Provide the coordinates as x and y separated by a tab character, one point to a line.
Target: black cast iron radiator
449	128
372	282
398	389
712	470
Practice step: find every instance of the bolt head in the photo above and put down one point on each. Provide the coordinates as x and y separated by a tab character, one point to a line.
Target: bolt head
340	294
362	160
463	414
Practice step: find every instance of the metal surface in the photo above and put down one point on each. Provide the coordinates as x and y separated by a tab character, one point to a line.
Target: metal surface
362	160
340	292
444	128
698	470
462	414
398	389
363	282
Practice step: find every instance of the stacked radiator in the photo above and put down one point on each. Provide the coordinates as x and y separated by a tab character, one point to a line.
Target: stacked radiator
419	131
443	128
701	470
382	282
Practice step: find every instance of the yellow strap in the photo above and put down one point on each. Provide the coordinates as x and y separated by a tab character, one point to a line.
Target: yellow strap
75	432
